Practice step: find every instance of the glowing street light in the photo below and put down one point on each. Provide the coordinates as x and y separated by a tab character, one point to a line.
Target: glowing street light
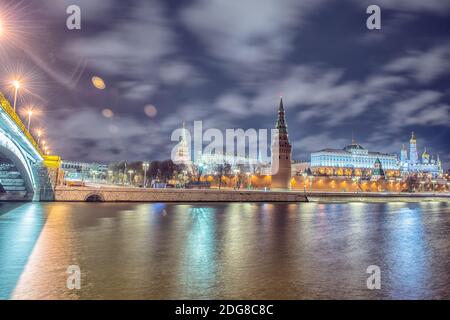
145	165
130	172
16	84
39	133
2	28
30	113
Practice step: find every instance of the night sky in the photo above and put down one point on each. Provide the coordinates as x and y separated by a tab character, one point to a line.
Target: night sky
227	62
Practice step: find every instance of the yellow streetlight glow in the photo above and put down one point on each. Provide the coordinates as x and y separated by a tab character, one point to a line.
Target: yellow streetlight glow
2	29
39	134
16	84
29	113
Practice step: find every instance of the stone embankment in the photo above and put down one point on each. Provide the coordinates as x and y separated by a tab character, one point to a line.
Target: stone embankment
111	194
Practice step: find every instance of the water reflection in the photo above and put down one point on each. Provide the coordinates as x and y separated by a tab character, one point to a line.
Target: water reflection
407	254
225	251
20	226
199	260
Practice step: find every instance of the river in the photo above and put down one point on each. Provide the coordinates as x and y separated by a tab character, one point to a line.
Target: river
224	250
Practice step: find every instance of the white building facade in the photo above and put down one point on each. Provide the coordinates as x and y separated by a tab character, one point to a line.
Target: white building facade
353	156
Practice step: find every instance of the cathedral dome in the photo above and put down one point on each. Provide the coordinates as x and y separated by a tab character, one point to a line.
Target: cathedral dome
425	157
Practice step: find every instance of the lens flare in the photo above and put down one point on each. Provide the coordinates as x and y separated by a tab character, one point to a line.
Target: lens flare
98	83
107	113
151	111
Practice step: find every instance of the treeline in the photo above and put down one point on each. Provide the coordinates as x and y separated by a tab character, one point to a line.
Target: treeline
161	171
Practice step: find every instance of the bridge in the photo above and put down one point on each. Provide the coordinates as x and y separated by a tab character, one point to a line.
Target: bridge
25	172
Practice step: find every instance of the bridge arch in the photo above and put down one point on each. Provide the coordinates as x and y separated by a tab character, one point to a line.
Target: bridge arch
94	197
12	151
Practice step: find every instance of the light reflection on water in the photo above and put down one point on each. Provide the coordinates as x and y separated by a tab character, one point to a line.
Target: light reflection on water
225	251
19	230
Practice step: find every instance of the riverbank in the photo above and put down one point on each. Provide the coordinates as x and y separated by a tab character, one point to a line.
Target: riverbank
377	197
115	194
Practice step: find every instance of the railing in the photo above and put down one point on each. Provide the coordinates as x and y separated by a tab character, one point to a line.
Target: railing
14	117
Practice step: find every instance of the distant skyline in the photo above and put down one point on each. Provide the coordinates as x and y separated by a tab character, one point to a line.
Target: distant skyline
226	63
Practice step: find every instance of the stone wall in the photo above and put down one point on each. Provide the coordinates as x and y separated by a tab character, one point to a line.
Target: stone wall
173	195
48	179
377	197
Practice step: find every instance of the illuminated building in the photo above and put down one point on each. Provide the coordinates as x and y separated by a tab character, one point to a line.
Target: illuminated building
413	165
281	153
93	172
182	153
209	162
353	160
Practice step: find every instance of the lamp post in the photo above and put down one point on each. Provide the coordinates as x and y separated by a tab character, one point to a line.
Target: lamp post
130	172
145	165
30	113
305	174
39	133
123	174
236	184
16	85
110	176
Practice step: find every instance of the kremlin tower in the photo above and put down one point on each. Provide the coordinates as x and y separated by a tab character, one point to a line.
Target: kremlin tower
281	153
413	155
182	154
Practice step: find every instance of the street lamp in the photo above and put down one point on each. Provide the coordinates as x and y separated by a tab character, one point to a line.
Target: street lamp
110	175
39	133
30	113
305	174
236	184
16	85
130	172
145	165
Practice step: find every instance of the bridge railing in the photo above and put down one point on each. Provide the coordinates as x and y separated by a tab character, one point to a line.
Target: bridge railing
14	117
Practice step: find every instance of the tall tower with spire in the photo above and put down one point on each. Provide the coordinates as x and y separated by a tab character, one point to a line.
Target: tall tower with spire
439	163
183	155
414	157
281	153
404	155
